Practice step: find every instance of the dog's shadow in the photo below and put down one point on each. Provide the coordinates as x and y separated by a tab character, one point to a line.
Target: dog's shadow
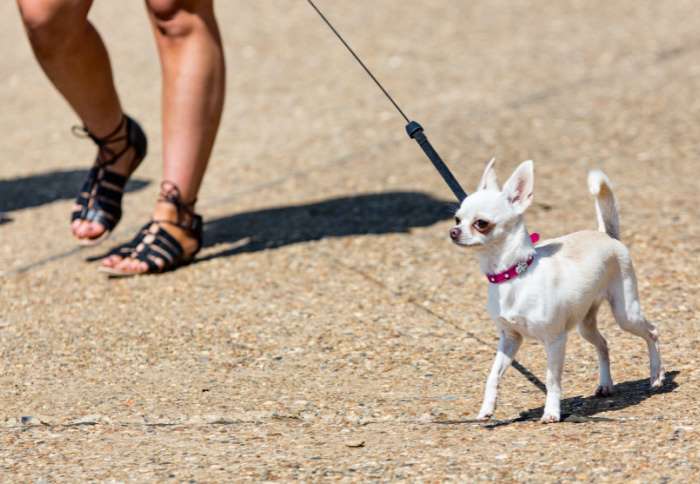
581	409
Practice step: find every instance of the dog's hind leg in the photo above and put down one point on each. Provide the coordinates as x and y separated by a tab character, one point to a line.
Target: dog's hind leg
508	346
624	301
588	329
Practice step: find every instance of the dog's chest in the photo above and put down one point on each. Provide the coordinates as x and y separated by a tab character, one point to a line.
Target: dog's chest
518	311
515	322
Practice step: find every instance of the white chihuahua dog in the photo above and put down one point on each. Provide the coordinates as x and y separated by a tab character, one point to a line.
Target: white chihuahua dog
546	290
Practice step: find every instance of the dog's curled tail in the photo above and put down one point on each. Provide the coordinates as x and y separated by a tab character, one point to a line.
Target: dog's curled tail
605	203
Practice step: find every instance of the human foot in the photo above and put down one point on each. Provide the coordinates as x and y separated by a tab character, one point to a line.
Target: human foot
98	206
170	240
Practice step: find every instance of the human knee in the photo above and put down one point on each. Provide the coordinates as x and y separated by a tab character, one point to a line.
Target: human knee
51	23
176	18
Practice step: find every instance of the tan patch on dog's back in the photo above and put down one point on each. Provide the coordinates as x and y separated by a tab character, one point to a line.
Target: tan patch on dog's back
578	245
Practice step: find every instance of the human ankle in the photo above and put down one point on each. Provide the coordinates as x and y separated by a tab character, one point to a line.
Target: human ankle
168	212
107	127
113	146
165	211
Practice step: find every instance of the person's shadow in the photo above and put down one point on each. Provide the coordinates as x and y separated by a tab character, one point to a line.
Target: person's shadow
373	213
40	189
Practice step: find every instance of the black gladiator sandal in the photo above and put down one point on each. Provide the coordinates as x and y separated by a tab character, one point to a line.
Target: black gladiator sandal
100	198
154	245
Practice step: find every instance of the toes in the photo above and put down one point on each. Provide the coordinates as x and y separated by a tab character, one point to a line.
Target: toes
122	265
111	261
94	230
484	416
84	229
126	266
81	229
135	266
138	267
131	266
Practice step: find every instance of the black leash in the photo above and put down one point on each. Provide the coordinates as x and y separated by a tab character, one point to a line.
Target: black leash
413	129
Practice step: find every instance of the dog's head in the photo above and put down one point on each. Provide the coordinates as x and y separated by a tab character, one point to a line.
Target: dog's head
488	214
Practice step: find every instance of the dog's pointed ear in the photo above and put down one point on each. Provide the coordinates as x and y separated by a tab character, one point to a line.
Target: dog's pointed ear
488	179
520	185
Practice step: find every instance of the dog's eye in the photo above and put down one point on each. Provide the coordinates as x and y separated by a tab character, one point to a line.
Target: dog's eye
481	225
458	220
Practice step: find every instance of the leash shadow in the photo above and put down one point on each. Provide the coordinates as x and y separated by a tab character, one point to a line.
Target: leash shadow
581	409
35	190
373	213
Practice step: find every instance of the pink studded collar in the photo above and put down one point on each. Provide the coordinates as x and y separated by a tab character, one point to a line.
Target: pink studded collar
517	269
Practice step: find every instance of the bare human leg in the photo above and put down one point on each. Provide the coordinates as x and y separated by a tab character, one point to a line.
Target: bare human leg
192	63
74	58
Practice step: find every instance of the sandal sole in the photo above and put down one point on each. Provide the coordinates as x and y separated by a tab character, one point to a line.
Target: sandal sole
117	274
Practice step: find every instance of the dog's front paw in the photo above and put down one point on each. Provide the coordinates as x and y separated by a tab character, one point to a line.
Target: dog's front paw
550	418
604	391
485	415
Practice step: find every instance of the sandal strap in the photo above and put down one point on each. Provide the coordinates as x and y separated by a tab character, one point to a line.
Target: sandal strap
170	193
100	198
187	219
125	249
157	244
103	142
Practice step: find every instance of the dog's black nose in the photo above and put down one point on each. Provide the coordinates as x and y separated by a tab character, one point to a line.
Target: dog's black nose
455	232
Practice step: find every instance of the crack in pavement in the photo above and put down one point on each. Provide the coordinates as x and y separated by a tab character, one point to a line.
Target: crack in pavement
199	422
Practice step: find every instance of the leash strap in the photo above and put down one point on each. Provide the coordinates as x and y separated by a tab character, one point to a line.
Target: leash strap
413	129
